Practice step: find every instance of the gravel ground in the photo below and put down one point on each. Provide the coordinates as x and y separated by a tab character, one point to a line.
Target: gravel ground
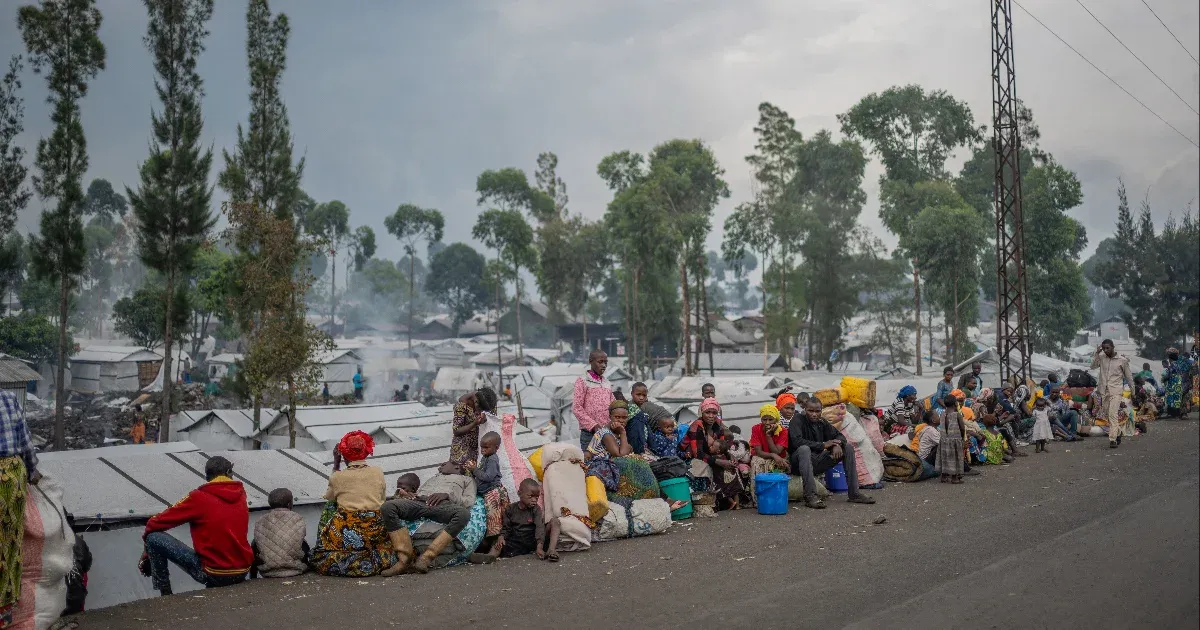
1082	536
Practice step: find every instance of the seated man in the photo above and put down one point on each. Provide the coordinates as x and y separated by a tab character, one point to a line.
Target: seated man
218	517
446	498
814	446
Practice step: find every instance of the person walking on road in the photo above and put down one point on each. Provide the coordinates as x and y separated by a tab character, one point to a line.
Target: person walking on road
1114	373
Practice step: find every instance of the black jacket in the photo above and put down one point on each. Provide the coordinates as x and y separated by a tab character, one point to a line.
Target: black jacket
813	435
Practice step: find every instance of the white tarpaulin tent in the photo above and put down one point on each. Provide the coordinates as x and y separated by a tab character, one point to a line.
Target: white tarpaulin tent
339	367
1040	364
96	369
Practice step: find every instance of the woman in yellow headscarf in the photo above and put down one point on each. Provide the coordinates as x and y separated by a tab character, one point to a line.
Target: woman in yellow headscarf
768	444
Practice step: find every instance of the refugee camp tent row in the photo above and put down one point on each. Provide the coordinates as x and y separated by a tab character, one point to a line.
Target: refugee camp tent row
221	429
338	369
113	491
319	428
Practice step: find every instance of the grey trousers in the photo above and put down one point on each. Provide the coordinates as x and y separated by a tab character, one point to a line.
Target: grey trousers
807	464
452	515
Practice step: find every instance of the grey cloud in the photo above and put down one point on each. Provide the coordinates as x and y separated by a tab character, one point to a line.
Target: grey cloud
409	101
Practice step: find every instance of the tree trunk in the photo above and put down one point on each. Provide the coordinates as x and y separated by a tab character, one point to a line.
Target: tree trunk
291	383
687	328
520	335
707	326
946	333
333	295
499	357
917	314
954	347
696	309
60	395
628	323
412	291
164	413
810	335
929	329
258	412
637	356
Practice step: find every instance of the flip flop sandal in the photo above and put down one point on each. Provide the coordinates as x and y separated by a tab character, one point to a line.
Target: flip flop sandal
552	557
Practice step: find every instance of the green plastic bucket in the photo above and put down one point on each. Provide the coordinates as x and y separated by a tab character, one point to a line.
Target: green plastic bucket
677	489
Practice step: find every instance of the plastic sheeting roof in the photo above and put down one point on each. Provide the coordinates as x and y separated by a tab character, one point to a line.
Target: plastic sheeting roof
226	358
126	450
452	379
114	354
241	421
330	423
108	484
687	388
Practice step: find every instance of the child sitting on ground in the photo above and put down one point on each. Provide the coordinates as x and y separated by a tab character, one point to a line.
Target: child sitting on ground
280	549
1042	432
739	450
662	440
524	530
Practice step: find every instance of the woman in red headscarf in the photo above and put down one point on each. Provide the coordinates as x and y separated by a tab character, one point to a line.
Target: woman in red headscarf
353	542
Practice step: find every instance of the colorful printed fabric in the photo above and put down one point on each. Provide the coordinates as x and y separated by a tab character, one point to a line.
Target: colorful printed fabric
13	486
994	449
636	479
1173	382
353	544
663	445
464	448
466	542
595	448
495	501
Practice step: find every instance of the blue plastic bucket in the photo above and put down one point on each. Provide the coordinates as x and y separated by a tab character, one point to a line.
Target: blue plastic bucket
771	490
677	489
835	478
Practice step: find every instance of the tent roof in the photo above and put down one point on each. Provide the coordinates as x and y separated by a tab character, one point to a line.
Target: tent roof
106	484
330	423
114	354
687	388
15	370
240	420
337	354
452	379
227	358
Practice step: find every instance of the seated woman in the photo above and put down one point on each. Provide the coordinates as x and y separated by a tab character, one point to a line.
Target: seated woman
903	412
351	540
705	445
610	458
989	402
994	447
768	444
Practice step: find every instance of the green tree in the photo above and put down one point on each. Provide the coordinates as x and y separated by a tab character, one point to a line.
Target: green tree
362	246
508	191
14	196
913	133
1156	275
62	39
171	203
260	170
889	305
208	288
103	203
410	225
642	240
283	347
330	222
686	181
142	317
507	232
31	338
948	242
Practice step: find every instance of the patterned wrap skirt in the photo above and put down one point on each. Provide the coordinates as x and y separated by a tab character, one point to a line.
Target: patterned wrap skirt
352	544
13	485
495	501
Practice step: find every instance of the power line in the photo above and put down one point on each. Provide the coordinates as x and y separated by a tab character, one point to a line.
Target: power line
1097	68
1160	79
1164	25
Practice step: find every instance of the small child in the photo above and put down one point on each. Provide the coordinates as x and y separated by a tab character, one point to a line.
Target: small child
662	440
739	450
280	549
407	486
487	473
524	530
1042	432
488	484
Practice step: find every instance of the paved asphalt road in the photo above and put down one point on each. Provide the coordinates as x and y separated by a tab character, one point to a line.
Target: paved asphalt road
1080	537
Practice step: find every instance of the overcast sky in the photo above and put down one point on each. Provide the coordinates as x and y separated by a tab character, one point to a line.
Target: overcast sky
407	101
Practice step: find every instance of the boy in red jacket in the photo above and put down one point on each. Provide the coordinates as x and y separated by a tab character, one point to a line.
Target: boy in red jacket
219	519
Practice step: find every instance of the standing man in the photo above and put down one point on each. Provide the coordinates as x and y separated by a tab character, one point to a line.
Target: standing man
814	446
404	393
591	398
358	384
1114	373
